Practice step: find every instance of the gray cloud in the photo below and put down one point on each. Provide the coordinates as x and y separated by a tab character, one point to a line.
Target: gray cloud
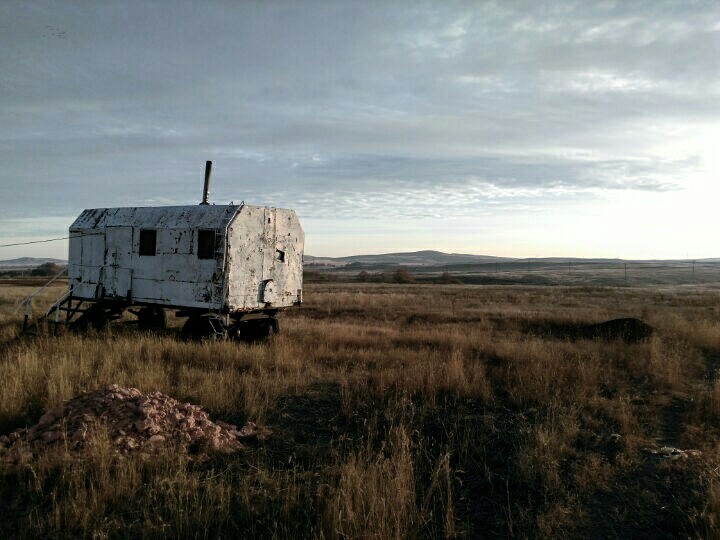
399	107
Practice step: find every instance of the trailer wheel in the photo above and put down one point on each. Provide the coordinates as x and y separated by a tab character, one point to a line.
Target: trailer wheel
94	316
152	318
198	328
255	329
193	329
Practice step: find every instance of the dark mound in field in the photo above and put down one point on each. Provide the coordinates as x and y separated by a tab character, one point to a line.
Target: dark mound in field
441	318
133	421
628	329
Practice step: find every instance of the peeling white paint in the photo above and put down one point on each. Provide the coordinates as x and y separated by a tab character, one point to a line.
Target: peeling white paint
257	263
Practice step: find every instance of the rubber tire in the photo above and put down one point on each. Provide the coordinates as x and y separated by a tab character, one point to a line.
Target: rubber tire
94	316
152	318
273	327
197	328
255	329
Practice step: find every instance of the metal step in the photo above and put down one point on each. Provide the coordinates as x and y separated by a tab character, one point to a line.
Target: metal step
217	326
63	304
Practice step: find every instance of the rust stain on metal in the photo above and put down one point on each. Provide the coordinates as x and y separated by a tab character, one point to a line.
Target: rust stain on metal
256	263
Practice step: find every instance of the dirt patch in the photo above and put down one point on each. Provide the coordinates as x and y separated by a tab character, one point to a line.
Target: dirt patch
307	427
134	422
628	329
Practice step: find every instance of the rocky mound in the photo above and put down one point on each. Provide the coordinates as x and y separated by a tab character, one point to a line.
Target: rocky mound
134	422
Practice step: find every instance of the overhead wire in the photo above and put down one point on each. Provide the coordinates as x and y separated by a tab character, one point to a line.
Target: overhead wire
48	240
35	242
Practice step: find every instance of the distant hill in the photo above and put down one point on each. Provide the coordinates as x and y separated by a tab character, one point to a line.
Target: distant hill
434	260
569	259
413	258
29	262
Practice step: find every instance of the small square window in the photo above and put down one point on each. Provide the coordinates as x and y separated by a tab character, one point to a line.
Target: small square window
148	242
206	245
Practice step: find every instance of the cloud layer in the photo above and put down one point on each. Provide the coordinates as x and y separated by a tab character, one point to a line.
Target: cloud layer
356	111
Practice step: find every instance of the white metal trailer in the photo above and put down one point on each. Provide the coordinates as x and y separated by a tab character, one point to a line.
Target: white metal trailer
228	268
217	258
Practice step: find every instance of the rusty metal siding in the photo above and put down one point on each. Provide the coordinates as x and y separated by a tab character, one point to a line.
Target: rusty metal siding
174	276
161	217
104	256
106	242
288	273
118	261
257	277
246	239
87	259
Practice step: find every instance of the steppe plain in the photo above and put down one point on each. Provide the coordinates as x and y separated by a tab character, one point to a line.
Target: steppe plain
391	411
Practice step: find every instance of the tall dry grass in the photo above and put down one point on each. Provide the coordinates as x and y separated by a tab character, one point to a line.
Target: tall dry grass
374	493
396	411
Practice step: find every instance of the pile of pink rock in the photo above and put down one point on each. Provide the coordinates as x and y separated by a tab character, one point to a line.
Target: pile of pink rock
133	420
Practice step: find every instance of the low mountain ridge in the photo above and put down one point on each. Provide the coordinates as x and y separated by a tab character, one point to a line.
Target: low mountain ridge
29	262
411	258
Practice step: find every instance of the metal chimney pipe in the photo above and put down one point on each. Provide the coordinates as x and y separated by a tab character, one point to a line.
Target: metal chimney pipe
206	189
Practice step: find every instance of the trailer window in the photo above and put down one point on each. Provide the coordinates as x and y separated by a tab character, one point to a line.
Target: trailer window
206	245
148	242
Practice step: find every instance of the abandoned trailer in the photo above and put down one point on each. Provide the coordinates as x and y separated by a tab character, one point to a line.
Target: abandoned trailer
228	268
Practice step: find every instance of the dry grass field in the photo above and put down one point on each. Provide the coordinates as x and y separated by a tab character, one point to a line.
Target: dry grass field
395	411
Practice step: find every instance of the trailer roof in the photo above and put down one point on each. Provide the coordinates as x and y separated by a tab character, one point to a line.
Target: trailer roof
213	216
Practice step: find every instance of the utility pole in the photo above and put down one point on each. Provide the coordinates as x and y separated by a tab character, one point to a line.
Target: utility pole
693	270
625	271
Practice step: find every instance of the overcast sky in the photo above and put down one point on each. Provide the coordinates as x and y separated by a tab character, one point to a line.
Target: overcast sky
501	128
